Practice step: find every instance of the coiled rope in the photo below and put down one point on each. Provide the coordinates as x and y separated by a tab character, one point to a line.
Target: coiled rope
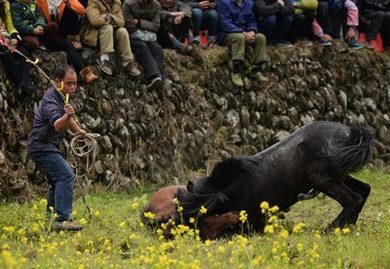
81	154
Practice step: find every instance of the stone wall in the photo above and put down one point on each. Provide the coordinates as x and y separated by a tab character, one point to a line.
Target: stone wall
164	135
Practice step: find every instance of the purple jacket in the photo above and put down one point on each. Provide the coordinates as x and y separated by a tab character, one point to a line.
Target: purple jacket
234	18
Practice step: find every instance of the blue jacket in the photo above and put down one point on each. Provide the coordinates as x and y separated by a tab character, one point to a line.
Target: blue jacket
234	18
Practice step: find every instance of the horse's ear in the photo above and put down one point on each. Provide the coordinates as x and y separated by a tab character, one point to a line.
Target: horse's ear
190	186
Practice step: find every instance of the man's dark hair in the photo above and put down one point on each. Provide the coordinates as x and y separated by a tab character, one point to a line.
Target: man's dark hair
61	71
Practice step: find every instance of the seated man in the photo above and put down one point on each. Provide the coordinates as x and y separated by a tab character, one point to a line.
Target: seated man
30	23
237	29
14	64
175	26
375	18
104	26
275	18
205	17
142	20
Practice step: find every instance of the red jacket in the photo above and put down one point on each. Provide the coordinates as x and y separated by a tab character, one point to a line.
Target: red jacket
74	5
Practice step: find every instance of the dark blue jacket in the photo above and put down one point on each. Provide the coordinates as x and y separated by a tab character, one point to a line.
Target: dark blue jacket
234	18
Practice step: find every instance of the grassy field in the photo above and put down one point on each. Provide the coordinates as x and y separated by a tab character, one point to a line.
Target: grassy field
113	237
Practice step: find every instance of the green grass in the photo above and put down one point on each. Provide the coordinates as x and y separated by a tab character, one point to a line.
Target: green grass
114	238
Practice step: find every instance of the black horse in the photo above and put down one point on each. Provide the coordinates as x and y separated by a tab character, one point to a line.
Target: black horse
316	158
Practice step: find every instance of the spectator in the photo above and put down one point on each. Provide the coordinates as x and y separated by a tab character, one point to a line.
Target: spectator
204	17
52	119
375	18
345	16
104	26
303	20
274	20
323	19
142	21
237	24
14	64
30	23
175	26
66	13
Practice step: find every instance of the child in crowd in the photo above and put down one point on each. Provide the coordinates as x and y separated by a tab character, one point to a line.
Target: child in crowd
34	30
104	26
14	64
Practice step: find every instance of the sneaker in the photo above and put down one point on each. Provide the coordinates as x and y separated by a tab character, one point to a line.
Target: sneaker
259	77
154	83
105	66
283	44
237	79
132	69
354	44
66	226
325	42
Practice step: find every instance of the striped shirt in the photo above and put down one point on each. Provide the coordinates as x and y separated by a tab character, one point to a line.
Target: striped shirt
43	136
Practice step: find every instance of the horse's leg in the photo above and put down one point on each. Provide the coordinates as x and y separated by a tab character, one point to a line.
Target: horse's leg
351	202
363	189
212	227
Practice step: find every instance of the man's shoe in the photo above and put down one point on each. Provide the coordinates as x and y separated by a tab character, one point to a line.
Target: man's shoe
155	83
325	42
132	69
66	226
259	77
283	44
354	44
105	66
237	79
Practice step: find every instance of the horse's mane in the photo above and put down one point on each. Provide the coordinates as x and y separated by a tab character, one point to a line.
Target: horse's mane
214	191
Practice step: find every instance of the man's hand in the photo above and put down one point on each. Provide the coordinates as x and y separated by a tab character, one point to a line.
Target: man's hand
177	20
212	5
81	133
281	2
38	30
204	4
69	110
249	37
351	33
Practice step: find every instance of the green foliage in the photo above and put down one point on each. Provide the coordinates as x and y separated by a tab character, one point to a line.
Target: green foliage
114	238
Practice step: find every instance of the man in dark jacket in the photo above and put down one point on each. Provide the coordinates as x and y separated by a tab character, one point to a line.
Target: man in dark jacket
142	21
274	19
375	18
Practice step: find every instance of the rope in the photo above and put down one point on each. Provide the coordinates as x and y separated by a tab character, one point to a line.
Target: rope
81	154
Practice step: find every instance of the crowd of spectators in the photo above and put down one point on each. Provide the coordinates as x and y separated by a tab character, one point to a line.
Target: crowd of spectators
130	34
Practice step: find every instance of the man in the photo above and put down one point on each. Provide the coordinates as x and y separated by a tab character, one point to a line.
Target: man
275	18
237	28
104	26
142	21
52	119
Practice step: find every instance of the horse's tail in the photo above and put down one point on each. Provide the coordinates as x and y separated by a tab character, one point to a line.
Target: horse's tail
352	153
216	190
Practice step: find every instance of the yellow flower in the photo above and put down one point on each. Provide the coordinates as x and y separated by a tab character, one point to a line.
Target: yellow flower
203	210
346	231
283	233
337	230
274	209
8	259
243	216
135	206
269	229
122	224
299	246
97	214
175	201
180	209
192	220
298	227
264	205
149	215
83	221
